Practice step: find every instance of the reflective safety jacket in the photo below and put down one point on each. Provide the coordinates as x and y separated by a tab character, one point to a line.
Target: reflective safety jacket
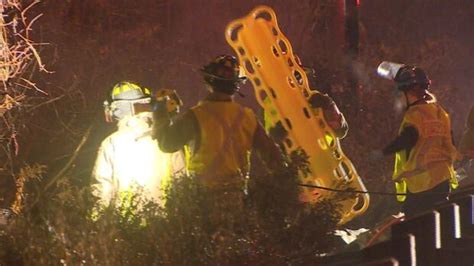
226	136
430	161
129	160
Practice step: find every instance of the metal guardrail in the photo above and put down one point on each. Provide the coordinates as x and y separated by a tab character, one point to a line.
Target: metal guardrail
443	236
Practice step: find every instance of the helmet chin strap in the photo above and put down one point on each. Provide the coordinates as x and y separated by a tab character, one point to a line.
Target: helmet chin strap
406	100
422	99
235	91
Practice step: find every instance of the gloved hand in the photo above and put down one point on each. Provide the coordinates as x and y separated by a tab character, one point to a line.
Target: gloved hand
375	155
159	106
172	99
160	116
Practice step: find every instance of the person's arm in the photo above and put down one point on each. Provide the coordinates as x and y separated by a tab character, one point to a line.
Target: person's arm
406	140
173	135
103	184
278	133
178	163
266	149
331	113
336	120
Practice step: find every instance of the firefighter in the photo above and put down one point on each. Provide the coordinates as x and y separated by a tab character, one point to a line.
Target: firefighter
129	160
331	113
219	134
424	151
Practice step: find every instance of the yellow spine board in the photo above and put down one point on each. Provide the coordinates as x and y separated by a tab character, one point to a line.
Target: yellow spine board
267	58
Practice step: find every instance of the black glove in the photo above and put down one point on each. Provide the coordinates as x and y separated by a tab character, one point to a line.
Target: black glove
159	106
160	116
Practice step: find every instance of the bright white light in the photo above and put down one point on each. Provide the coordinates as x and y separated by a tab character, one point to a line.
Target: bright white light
130	161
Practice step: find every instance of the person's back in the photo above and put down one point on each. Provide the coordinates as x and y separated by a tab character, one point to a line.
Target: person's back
227	131
220	136
430	161
218	132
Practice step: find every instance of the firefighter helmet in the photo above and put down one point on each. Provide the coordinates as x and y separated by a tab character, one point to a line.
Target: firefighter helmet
122	99
408	76
405	76
126	90
223	74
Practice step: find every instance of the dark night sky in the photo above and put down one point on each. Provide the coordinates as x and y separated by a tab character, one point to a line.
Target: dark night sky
162	44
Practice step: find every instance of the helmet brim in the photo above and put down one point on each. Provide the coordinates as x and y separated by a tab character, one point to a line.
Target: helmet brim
207	74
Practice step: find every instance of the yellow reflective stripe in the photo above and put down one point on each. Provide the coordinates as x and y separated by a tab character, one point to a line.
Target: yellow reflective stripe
401	187
453	181
430	161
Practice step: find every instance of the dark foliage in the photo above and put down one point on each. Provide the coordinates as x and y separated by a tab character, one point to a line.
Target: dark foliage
195	227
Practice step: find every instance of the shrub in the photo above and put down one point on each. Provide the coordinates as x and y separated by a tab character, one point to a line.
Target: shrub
196	226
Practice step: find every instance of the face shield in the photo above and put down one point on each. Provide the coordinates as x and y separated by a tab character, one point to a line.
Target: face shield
389	70
118	109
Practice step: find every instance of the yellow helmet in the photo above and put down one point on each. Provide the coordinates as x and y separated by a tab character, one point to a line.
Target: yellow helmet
126	90
123	98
